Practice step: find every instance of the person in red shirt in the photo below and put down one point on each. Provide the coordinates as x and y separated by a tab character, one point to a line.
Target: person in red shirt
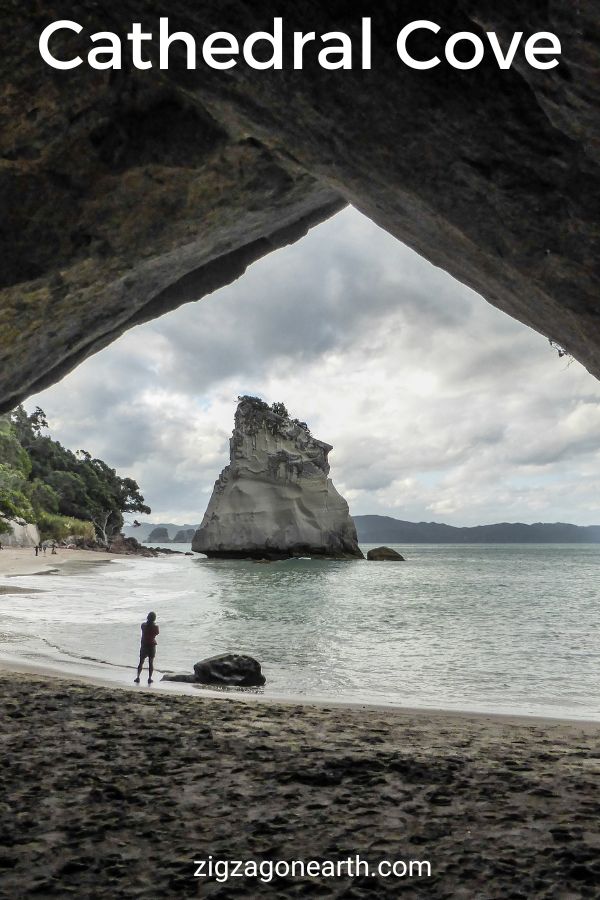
148	646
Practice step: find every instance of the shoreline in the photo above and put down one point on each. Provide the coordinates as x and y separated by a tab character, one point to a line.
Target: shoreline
16	666
95	782
15	561
115	779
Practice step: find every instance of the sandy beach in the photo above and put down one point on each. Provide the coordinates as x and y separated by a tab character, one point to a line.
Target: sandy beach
110	793
110	790
23	561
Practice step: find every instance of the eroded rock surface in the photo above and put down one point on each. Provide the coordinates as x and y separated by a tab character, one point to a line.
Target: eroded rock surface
127	193
236	669
224	670
21	534
275	498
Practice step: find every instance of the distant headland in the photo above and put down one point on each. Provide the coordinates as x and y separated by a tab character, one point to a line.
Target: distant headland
374	529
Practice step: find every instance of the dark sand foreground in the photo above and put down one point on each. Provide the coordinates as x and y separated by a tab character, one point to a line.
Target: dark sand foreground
113	793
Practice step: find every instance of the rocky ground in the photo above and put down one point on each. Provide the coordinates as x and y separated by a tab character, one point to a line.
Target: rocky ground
114	793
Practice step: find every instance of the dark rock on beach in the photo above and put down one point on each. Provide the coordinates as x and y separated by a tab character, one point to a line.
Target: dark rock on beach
121	544
166	551
230	668
384	554
129	546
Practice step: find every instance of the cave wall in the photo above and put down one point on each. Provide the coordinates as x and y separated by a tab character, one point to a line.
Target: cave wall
125	194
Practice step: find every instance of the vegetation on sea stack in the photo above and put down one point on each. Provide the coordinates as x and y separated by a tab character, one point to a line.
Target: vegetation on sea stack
278	408
63	492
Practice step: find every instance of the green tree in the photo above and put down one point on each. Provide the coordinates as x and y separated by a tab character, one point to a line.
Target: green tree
74	485
15	468
14	502
42	497
70	489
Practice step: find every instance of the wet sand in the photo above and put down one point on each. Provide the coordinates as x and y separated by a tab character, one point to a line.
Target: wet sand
110	793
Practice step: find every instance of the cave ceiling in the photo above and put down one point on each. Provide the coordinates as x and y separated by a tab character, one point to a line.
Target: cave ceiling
125	194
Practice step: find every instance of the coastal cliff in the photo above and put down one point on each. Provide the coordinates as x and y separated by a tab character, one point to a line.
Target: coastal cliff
275	498
20	533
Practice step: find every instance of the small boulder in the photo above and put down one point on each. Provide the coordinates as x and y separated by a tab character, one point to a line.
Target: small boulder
384	554
230	668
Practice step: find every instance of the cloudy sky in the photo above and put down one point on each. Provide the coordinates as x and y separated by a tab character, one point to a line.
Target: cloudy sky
439	407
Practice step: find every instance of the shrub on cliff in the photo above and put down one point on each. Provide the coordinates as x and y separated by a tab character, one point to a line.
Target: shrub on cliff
57	528
280	409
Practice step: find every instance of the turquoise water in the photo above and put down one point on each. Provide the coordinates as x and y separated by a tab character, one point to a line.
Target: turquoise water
507	628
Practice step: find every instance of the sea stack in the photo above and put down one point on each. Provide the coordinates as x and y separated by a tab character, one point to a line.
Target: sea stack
275	498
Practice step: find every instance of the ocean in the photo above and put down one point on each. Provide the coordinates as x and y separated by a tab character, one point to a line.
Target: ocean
487	628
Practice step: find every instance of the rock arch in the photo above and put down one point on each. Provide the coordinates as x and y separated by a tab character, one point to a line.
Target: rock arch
125	194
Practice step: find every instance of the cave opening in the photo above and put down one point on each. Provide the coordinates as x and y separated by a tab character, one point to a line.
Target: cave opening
439	406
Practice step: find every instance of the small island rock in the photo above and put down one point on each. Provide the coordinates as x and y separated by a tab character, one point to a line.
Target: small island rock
384	554
275	499
184	536
158	534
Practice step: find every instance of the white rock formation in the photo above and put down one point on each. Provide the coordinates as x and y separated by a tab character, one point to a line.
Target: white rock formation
23	534
275	498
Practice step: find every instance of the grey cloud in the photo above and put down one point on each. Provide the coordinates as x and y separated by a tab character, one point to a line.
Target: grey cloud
304	303
438	406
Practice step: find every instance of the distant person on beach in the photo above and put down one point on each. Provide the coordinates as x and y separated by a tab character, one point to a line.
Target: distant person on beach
37	549
148	646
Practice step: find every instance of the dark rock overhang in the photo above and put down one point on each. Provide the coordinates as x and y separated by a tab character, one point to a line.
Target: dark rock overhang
125	194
